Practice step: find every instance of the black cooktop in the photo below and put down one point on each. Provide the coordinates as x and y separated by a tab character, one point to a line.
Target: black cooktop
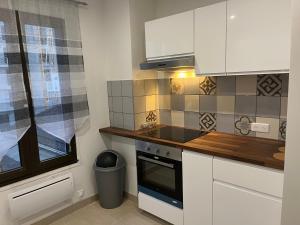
176	134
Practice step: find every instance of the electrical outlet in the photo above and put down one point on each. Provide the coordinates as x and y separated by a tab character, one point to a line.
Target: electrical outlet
80	193
260	127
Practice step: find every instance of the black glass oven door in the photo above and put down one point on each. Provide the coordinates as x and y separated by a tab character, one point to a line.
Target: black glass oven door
160	174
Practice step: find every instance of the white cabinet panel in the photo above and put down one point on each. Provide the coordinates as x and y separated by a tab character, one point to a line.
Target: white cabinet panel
172	35
160	209
237	206
197	188
210	39
257	178
258	35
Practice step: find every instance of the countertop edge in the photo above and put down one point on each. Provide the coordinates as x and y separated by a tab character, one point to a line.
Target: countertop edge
267	162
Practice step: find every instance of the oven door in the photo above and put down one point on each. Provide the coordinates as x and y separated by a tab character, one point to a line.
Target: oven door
160	177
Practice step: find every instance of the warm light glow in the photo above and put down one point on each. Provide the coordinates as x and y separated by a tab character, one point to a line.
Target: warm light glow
232	17
184	74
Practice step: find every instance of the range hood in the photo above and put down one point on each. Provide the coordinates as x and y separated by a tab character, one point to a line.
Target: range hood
169	64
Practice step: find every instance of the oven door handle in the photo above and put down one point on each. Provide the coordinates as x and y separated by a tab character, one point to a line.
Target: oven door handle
156	162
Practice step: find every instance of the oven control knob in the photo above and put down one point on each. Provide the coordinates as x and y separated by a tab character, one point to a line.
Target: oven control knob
148	149
168	153
157	151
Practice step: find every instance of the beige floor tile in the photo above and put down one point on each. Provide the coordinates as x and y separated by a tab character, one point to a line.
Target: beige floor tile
94	214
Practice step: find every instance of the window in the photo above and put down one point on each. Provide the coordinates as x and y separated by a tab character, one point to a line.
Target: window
38	43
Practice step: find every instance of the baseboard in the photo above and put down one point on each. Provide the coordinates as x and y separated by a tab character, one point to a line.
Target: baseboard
131	197
56	216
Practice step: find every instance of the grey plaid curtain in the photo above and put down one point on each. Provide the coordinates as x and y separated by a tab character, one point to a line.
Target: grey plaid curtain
14	112
52	42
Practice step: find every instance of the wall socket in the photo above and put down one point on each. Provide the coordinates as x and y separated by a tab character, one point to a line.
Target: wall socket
80	193
260	127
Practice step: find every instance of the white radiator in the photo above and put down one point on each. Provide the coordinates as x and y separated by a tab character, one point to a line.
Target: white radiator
37	198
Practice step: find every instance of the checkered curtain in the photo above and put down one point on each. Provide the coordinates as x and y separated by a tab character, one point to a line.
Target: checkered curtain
14	113
52	42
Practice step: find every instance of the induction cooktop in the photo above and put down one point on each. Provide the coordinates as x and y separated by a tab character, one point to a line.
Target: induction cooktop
176	134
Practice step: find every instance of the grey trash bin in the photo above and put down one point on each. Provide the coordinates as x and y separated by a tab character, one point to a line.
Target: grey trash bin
110	177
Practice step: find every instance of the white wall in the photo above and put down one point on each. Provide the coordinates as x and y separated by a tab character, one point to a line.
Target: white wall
126	147
89	142
118	59
170	7
291	198
140	12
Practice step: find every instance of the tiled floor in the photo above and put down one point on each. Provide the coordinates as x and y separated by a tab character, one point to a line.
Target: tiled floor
93	214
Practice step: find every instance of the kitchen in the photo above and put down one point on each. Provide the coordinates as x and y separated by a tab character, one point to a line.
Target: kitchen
197	97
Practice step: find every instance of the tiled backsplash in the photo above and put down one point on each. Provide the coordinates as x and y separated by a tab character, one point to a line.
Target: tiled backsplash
227	104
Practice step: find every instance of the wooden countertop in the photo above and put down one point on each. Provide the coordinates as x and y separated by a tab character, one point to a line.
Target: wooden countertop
258	151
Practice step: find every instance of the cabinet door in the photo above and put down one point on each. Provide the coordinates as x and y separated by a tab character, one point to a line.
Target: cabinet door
210	39
172	35
237	206
197	188
258	35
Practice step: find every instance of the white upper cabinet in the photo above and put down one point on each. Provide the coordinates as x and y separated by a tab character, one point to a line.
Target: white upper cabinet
258	35
210	39
169	36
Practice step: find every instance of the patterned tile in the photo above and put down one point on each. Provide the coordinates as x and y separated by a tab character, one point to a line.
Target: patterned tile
225	123
246	85
207	121
268	107
274	127
151	116
226	86
269	85
208	85
177	86
282	130
242	125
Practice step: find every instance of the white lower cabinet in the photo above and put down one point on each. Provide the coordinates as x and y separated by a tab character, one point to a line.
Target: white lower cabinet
197	188
219	191
237	206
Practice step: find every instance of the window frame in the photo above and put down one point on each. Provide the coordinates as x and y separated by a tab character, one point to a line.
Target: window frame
28	146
